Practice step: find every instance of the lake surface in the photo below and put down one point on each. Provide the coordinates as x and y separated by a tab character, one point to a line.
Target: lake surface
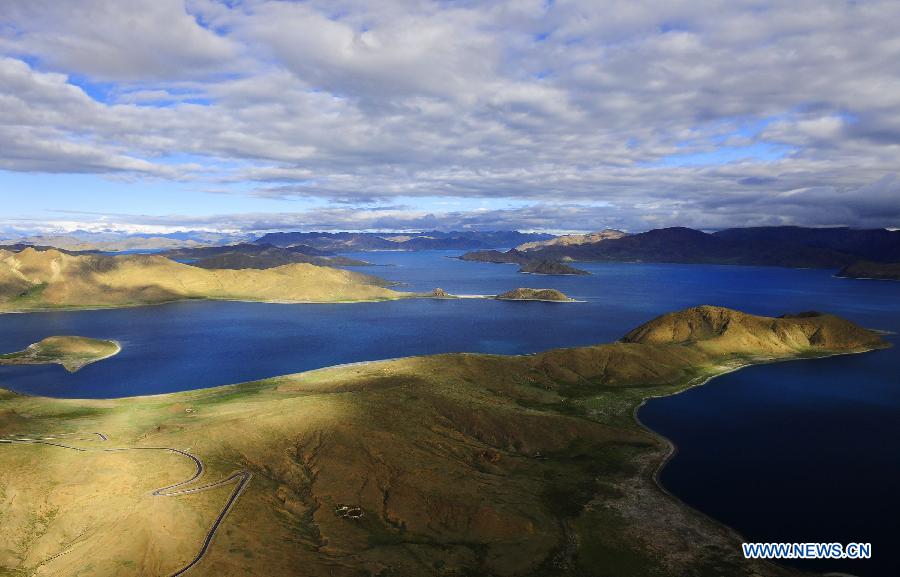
799	451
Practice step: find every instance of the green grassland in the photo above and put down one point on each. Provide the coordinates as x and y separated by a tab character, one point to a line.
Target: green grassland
460	464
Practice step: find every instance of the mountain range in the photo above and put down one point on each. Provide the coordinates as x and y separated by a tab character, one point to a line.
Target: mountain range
432	240
761	246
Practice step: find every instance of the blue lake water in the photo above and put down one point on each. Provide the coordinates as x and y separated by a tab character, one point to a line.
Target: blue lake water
799	451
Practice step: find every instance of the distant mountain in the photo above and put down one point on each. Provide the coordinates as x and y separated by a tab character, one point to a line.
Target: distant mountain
431	240
258	256
329	241
791	248
118	242
18	247
573	239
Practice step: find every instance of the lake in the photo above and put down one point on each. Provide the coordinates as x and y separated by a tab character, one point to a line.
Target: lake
798	451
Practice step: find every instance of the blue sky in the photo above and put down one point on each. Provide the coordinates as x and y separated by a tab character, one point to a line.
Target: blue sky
569	115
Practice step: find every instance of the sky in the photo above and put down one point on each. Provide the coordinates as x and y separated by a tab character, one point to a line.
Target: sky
260	115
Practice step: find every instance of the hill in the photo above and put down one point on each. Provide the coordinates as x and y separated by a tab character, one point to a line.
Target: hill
871	270
455	464
35	280
719	330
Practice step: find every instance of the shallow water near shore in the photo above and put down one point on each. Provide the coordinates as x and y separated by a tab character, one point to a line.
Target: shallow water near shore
799	451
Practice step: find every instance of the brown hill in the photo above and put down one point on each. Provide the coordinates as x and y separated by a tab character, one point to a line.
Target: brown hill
33	279
717	330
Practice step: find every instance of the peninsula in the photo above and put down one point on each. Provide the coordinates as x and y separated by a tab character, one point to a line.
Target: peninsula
71	352
871	270
453	464
49	279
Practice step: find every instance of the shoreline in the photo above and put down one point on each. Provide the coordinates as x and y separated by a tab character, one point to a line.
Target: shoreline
671	449
76	308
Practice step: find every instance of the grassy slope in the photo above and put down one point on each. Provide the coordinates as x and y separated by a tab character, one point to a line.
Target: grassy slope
35	280
71	352
462	464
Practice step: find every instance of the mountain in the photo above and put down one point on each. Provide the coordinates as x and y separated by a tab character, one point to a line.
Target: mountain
685	245
36	280
259	256
871	270
444	465
573	239
432	240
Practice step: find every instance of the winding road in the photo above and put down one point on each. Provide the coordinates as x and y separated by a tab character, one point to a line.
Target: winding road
241	477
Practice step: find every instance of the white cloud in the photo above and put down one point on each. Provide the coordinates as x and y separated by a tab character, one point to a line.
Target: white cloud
573	102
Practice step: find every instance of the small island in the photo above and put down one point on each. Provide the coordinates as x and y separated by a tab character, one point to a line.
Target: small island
863	269
73	353
550	267
530	294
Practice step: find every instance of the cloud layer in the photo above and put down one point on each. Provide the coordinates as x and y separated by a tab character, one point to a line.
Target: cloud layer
630	114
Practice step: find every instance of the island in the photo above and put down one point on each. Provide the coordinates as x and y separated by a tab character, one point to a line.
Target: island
49	279
871	270
531	294
451	464
550	267
73	353
527	262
